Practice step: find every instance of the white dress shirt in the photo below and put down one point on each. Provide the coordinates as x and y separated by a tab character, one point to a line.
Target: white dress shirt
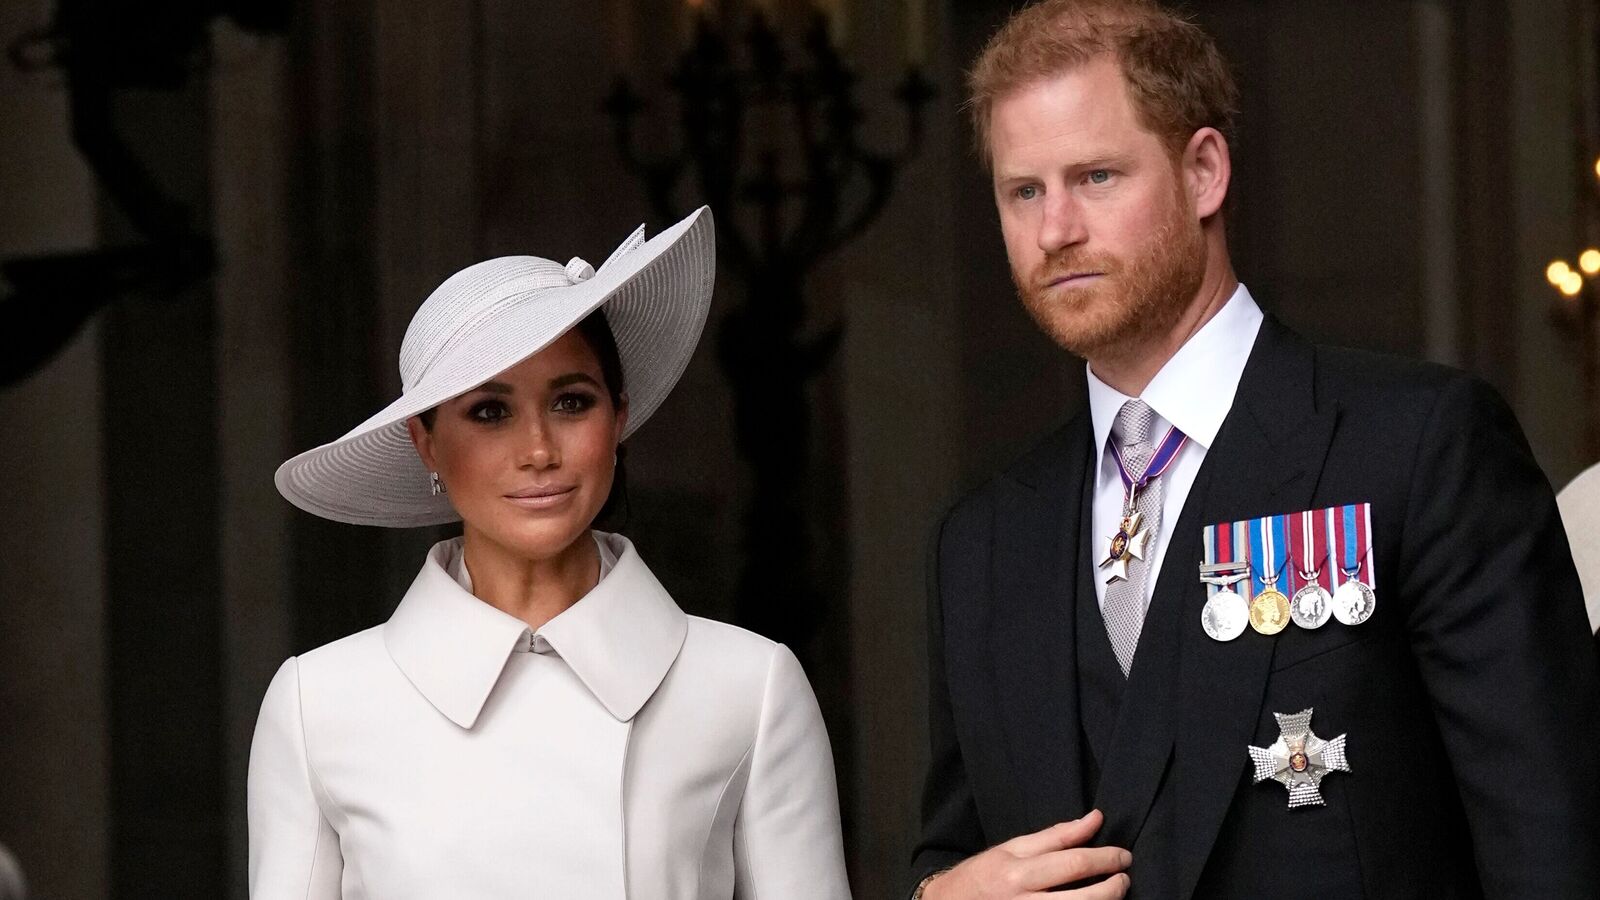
624	751
1193	391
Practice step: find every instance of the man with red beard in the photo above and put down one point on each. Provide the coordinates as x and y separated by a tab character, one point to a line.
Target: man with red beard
1417	721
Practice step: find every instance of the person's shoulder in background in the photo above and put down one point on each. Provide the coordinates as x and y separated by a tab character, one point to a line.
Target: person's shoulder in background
12	884
1579	502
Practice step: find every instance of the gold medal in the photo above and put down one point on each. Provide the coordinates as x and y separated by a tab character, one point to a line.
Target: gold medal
1269	608
1269	611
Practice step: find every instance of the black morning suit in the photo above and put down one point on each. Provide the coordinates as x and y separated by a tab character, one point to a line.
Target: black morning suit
1471	698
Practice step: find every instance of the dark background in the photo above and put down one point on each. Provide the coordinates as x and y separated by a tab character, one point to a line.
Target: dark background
1405	171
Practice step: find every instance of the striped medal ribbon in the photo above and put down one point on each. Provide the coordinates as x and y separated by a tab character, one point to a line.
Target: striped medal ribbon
1312	605
1269	552
1132	538
1353	599
1227	564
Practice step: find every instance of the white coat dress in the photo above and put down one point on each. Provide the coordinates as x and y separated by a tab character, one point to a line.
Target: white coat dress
624	751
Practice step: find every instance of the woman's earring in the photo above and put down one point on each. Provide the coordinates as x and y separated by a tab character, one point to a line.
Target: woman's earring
435	483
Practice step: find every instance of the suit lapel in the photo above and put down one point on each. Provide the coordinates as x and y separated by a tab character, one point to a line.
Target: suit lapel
1031	627
1146	724
1266	460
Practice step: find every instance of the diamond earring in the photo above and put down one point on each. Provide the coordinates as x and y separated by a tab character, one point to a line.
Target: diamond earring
435	484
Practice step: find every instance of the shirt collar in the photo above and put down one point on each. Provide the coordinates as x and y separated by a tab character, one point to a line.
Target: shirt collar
1195	389
619	639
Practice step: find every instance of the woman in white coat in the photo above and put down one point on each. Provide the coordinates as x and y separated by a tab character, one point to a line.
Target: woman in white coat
538	718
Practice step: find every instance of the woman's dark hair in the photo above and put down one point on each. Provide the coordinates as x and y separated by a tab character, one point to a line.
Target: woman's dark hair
596	332
594	328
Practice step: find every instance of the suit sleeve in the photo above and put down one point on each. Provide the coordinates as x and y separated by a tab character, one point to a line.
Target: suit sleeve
951	831
294	851
1498	627
787	839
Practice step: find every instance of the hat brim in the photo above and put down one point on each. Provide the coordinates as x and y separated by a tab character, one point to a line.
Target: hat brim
656	299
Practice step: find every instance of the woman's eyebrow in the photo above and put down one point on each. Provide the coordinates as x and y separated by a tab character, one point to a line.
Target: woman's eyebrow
562	381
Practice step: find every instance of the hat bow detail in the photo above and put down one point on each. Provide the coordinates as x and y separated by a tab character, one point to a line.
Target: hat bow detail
578	270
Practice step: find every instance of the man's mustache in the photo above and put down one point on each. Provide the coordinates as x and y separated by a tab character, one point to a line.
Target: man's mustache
1067	265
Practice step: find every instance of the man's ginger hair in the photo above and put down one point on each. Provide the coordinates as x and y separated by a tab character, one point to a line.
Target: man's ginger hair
1177	79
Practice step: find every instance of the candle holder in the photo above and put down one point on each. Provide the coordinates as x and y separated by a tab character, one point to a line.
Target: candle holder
771	141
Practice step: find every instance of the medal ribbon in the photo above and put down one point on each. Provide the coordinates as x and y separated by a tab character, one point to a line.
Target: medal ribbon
1208	536
1330	531
1159	463
1225	571
1267	538
1355	542
1227	558
1241	543
1311	548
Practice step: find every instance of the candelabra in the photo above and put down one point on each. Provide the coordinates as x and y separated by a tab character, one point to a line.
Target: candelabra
771	142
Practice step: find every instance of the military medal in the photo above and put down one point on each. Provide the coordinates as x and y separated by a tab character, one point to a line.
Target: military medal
1226	612
1299	760
1353	599
1269	610
1312	605
1132	539
1129	543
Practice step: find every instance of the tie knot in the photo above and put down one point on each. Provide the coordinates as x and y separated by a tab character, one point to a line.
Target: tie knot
1132	426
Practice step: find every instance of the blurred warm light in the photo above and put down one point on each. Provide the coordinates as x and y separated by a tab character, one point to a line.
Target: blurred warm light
1557	272
1597	167
1572	285
1589	262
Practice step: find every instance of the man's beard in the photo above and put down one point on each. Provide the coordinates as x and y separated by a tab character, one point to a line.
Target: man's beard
1135	300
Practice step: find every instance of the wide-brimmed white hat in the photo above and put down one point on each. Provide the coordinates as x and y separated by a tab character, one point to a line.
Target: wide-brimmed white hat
485	319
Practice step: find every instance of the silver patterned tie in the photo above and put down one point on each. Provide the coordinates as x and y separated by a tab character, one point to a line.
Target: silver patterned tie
1125	598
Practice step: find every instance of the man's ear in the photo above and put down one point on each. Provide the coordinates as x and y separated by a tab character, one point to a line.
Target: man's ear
422	439
1207	171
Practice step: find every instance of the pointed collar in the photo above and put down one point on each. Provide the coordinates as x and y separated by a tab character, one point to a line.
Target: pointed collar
620	638
1195	389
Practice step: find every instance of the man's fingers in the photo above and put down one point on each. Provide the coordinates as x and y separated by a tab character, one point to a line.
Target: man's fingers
1113	888
1056	837
1060	867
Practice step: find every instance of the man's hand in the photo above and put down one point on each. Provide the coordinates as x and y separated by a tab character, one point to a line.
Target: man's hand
1030	865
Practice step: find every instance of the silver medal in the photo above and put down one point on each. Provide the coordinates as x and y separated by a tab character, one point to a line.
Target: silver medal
1225	615
1299	760
1353	603
1311	606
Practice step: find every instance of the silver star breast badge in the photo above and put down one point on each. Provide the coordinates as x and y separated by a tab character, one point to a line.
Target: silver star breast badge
1128	544
1299	759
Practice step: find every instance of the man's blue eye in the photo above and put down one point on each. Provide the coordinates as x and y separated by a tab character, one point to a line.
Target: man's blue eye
1027	192
1099	176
